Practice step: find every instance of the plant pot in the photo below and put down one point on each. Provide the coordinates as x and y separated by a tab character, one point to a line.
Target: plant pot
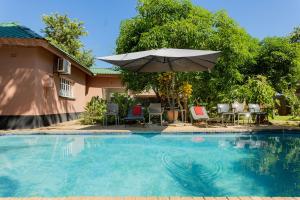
172	117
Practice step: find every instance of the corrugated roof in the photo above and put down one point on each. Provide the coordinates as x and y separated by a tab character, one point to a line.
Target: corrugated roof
14	30
108	71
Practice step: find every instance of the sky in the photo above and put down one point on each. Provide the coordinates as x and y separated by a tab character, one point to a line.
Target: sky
102	18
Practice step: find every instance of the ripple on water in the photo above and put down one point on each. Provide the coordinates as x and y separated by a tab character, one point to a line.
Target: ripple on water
192	177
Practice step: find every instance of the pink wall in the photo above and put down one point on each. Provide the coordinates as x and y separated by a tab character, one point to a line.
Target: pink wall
96	83
23	73
48	98
24	76
17	81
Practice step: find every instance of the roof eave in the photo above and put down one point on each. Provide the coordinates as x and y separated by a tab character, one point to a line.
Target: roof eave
33	42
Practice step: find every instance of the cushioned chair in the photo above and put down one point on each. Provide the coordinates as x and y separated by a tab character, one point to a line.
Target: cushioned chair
155	109
199	113
135	113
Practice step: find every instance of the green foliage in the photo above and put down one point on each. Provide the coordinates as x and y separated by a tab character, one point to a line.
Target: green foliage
293	101
124	102
94	111
65	33
139	82
279	60
295	35
247	69
86	58
256	90
277	160
180	24
166	90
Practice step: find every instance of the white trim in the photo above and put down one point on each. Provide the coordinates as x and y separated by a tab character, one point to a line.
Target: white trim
66	88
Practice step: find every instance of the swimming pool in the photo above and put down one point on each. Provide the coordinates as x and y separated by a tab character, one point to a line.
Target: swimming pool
150	165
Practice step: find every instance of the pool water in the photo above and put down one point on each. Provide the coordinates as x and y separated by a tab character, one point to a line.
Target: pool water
150	165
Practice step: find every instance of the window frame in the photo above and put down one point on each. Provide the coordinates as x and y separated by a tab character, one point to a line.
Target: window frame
66	88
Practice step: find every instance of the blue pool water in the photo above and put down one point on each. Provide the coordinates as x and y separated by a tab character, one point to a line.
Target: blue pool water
150	165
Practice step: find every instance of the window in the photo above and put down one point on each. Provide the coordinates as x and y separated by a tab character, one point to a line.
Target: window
66	88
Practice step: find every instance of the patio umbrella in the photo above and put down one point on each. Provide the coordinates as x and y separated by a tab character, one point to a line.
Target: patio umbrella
165	60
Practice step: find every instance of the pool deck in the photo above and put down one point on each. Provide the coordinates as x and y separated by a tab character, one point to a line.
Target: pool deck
74	127
157	198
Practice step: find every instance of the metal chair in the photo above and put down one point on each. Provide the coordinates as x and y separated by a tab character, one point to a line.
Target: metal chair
112	110
132	117
256	111
239	110
155	109
223	110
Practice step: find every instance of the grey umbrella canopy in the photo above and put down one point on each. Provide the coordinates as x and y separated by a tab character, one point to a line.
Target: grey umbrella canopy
165	60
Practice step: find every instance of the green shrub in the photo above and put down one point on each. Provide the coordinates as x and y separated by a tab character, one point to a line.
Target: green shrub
293	101
94	111
258	90
124	102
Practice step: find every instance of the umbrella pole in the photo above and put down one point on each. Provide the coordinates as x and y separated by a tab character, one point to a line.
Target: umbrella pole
173	98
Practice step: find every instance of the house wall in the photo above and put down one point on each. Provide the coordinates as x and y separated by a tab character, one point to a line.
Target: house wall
97	84
29	88
48	99
26	100
17	75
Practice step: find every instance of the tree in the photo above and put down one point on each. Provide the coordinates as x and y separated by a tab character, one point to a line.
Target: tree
256	89
279	60
295	35
180	24
65	33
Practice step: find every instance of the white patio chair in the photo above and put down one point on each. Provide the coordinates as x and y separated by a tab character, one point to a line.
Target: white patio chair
239	110
224	110
256	112
112	110
155	109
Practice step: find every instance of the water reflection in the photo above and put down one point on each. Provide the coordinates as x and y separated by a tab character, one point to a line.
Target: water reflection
251	142
273	162
74	146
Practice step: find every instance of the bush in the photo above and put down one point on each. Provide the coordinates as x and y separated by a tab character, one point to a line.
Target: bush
94	111
124	101
293	101
256	90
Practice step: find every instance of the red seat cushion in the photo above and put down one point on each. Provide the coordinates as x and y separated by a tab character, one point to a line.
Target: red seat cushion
137	110
198	110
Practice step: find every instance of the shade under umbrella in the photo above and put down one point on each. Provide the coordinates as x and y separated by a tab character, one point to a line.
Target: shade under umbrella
165	60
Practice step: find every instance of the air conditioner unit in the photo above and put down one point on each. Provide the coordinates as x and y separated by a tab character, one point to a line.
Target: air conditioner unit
63	66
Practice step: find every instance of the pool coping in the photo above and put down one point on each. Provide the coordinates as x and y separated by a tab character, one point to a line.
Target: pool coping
155	198
174	132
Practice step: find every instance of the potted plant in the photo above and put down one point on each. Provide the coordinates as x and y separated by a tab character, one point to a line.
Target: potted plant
174	91
185	92
168	94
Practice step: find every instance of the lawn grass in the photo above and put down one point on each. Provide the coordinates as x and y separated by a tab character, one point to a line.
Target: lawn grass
285	121
286	118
